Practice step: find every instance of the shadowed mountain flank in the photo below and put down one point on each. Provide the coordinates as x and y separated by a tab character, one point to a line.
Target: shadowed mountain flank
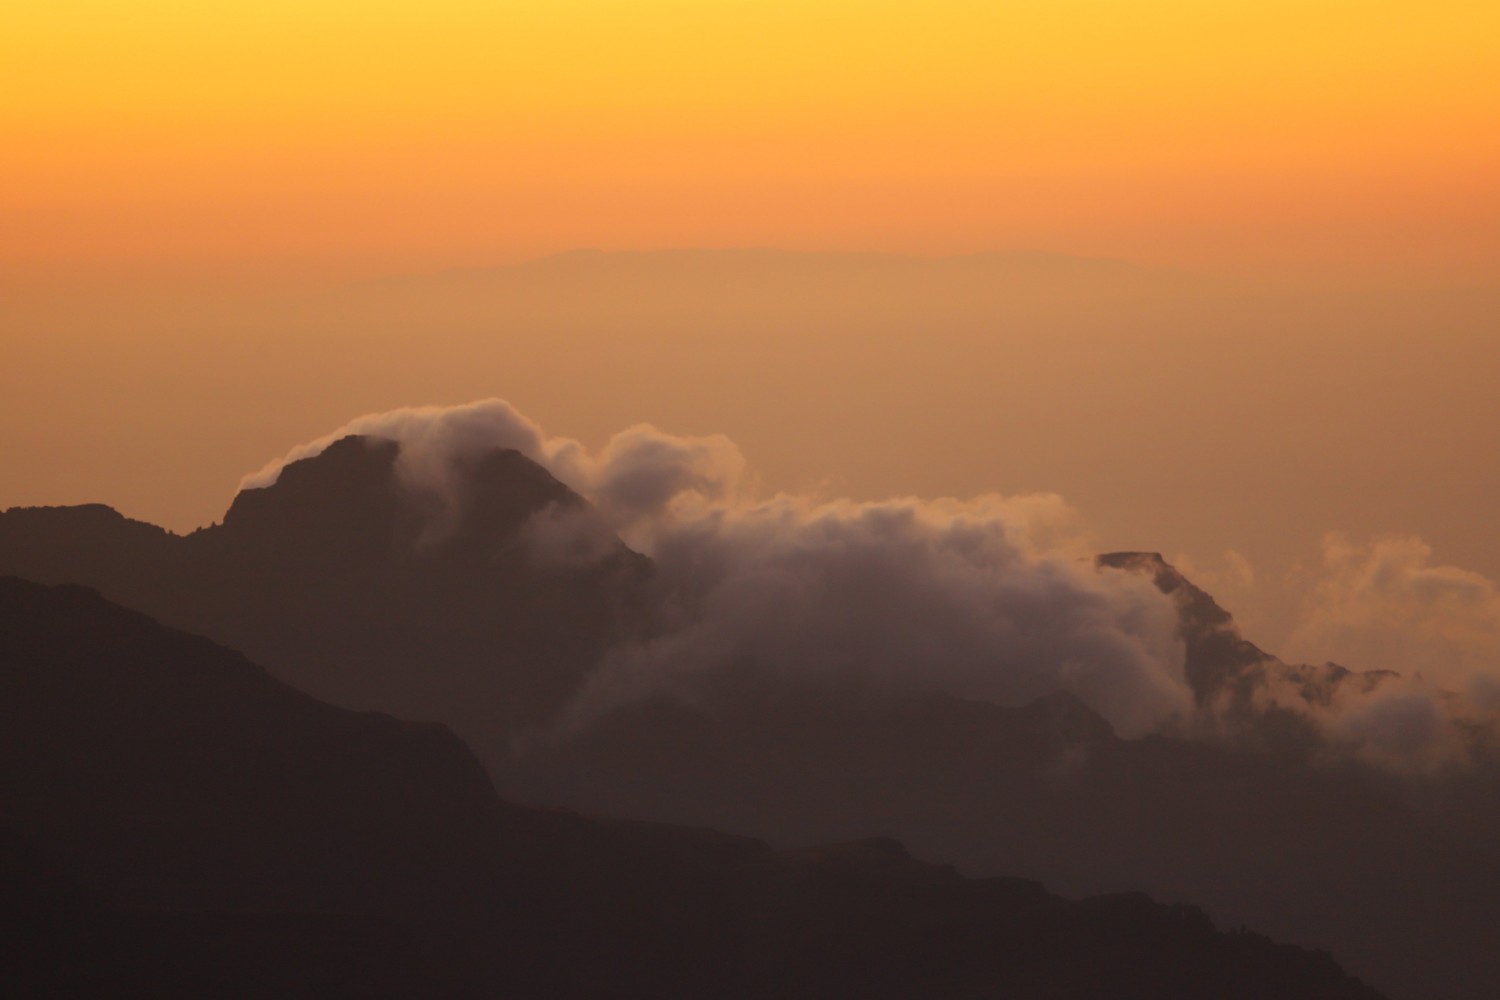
363	589
179	824
169	772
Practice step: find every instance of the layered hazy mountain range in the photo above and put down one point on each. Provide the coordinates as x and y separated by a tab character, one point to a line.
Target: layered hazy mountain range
178	823
637	633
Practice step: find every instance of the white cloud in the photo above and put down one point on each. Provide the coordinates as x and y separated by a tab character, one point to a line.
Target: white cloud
1384	605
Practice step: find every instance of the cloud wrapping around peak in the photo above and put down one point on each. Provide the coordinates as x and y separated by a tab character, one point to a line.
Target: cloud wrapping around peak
639	473
642	471
991	598
433	439
1385	606
896	597
1409	654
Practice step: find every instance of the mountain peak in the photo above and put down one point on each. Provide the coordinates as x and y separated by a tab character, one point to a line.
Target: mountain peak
1169	580
345	474
363	487
1217	655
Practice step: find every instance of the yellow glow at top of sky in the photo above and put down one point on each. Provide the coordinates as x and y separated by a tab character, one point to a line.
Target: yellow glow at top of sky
316	63
1161	130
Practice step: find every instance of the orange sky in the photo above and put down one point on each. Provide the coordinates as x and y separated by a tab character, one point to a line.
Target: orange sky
337	139
237	170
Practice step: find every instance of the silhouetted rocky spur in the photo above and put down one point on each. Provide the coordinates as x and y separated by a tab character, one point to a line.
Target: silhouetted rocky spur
1230	675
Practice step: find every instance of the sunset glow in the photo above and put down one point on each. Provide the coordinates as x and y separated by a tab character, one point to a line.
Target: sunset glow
372	137
762	499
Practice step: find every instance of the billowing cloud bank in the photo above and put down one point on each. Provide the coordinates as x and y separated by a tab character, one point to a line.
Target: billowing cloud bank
989	598
1433	630
904	595
1385	606
992	598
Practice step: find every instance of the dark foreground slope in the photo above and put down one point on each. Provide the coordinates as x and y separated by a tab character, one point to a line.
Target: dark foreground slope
178	824
335	579
1397	876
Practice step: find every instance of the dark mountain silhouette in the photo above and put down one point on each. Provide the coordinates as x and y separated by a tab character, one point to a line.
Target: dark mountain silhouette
337	580
177	823
361	591
1226	671
1395	873
1396	876
166	772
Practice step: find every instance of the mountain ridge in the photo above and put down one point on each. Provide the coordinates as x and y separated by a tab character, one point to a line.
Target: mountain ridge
345	578
1249	821
367	872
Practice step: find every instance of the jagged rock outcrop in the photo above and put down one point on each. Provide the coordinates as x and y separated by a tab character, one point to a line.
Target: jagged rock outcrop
1245	692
